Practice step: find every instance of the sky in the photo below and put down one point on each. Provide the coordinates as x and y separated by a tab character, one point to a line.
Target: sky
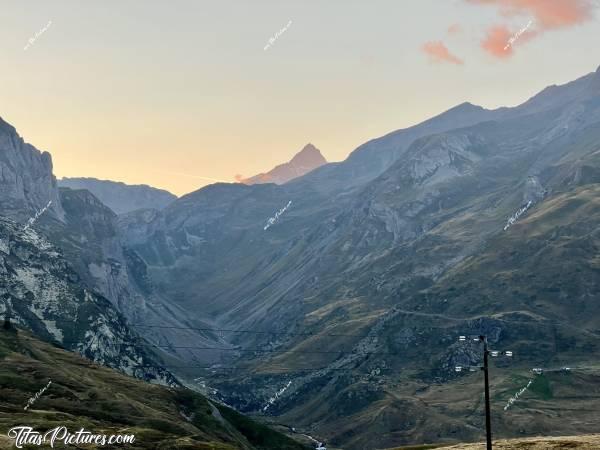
179	94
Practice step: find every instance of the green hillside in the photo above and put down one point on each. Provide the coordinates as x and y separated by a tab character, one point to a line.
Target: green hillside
103	401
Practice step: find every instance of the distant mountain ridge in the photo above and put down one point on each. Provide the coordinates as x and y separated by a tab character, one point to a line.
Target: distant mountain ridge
306	160
120	197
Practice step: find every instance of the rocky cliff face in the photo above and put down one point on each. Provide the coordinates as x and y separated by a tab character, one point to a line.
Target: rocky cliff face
44	294
308	159
27	184
121	197
91	241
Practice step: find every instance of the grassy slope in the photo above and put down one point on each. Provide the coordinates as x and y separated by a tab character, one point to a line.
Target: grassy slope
586	442
527	266
102	400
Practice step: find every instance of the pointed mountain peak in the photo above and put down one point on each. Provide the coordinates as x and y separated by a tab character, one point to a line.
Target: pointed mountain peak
307	159
467	106
309	156
309	148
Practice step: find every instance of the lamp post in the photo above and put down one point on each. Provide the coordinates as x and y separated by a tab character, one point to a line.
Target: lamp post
486	353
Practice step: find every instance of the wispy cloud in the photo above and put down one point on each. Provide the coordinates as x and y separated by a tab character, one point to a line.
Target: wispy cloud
549	15
438	52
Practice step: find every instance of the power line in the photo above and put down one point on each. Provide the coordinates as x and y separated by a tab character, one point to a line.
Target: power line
137	343
222	330
544	322
257	369
339	352
564	368
257	350
267	370
99	364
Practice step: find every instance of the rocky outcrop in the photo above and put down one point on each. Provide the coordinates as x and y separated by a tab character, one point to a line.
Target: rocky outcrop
27	184
44	294
102	257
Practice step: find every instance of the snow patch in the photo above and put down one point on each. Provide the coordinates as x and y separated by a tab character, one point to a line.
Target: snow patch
51	328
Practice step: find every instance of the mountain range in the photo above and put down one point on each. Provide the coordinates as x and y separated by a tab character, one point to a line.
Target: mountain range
121	197
343	315
124	198
376	245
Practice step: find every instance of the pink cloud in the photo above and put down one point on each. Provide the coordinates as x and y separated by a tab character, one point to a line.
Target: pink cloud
440	53
498	40
454	29
547	15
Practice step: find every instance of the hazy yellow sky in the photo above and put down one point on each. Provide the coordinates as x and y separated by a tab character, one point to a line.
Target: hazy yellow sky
166	93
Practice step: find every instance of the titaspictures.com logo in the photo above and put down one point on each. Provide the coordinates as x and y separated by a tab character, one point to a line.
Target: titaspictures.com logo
24	435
